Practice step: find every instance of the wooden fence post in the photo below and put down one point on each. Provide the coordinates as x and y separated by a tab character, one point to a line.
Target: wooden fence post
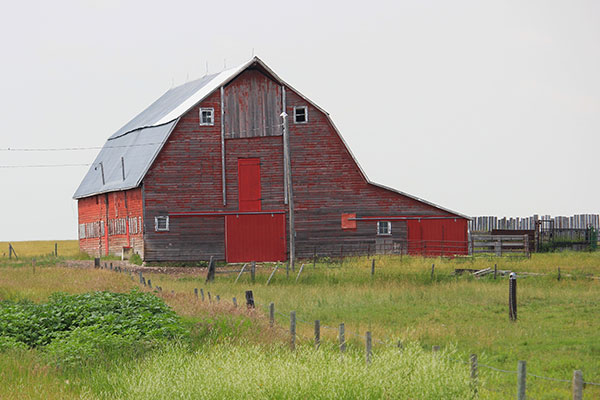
521	380
495	270
512	296
249	299
293	330
235	302
342	338
218	299
577	385
96	263
432	270
271	314
474	372
317	334
140	274
202	294
208	295
368	349
210	276
149	283
196	293
55	249
253	271
373	267
558	278
287	269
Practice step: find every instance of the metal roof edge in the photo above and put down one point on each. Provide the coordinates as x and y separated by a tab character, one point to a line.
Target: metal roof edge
105	191
158	150
140	128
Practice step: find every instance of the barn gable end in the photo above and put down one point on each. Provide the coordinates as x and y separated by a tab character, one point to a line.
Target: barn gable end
216	186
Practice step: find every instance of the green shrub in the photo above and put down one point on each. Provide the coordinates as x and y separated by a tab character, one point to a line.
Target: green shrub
9	343
135	314
136	259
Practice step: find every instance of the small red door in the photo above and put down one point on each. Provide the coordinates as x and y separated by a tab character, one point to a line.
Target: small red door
249	184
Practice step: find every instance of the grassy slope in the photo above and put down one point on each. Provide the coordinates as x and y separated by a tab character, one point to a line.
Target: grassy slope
556	331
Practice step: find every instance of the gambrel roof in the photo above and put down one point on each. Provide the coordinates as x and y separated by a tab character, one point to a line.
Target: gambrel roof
129	153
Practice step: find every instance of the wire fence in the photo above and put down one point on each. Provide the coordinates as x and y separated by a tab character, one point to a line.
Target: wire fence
578	384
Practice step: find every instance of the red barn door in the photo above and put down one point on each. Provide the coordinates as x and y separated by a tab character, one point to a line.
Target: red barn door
253	237
437	237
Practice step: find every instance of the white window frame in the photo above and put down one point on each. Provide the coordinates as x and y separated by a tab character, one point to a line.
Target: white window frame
305	108
161	218
212	116
387	231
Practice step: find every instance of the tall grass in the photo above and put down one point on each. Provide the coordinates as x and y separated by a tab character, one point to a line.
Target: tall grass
227	371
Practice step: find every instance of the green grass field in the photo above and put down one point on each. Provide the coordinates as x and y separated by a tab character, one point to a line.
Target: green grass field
556	333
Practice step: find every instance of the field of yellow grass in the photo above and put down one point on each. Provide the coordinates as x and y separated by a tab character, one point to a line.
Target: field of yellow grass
37	248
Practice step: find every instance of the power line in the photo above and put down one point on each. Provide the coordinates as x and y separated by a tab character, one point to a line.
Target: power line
45	165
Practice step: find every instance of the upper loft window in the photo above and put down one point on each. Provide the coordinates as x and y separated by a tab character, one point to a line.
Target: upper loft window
384	228
207	116
300	115
161	223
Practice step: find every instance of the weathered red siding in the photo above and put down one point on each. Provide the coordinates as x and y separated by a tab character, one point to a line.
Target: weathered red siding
114	218
185	179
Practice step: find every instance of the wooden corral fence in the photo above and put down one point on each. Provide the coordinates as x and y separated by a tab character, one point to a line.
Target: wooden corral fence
488	223
499	244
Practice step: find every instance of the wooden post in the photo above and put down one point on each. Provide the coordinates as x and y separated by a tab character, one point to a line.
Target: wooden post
111	266
210	276
249	299
196	293
521	380
202	294
558	274
218	299
342	338
240	274
271	314
253	271
149	283
55	249
209	298
577	385
495	270
9	251
96	263
373	267
474	372
435	349
287	270
315	258
299	272
317	334
400	345
512	296
293	330
140	274
432	270
235	302
272	273
368	348
143	281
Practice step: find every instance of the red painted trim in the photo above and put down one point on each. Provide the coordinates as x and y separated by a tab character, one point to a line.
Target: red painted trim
218	213
400	218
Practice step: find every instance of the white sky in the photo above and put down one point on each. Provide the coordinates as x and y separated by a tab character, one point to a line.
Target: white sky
483	107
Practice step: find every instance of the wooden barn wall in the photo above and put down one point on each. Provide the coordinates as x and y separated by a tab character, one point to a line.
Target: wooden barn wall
125	205
252	106
328	183
186	176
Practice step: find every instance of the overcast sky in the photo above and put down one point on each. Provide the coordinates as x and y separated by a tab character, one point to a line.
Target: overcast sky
486	108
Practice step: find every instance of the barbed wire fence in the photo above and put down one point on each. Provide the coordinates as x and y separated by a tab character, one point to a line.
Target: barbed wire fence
577	382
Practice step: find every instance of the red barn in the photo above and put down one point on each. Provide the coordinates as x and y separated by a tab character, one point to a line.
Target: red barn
240	166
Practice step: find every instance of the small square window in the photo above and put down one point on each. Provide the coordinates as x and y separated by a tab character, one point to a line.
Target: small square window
161	223
300	115
384	228
207	116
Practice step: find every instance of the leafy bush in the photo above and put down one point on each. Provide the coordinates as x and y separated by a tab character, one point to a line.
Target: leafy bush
8	343
135	314
136	259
